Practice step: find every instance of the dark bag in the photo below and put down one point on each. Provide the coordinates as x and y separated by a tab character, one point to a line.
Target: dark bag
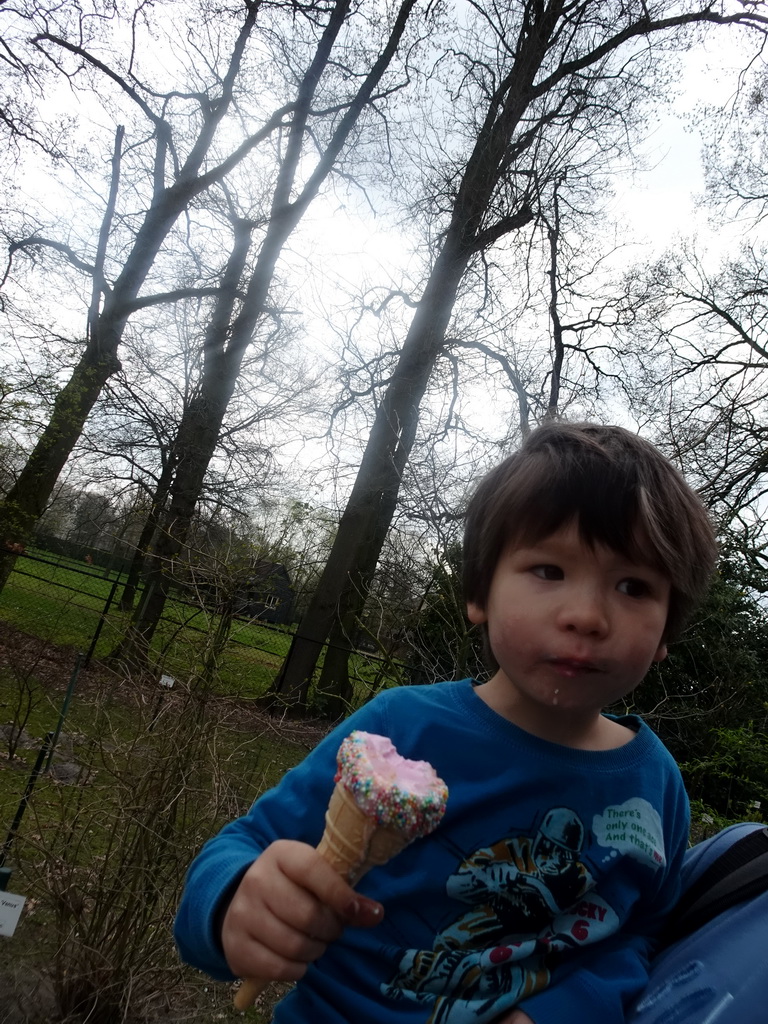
713	964
736	874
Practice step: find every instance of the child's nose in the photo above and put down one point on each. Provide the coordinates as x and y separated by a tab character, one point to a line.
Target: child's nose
585	613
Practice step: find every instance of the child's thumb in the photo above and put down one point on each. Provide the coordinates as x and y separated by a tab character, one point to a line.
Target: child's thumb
361	912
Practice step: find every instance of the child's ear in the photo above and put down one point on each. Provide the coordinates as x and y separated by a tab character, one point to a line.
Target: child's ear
476	614
661	653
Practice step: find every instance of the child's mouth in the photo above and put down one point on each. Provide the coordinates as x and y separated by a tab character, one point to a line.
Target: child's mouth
572	667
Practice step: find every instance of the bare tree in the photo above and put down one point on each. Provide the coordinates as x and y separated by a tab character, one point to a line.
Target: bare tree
233	322
182	169
22	129
536	80
696	353
697	362
113	302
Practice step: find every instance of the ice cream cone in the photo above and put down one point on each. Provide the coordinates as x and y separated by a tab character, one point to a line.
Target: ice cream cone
380	804
248	991
352	842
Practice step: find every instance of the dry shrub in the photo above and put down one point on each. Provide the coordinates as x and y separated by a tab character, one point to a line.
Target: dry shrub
107	856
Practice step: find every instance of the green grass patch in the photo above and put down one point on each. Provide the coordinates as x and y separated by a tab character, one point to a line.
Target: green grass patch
58	605
65	605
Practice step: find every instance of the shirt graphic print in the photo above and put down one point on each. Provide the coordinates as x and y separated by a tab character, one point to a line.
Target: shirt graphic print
523	903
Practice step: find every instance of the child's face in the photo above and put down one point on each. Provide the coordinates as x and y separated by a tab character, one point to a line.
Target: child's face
572	628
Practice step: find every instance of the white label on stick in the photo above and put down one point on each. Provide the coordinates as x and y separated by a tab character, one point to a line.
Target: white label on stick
10	912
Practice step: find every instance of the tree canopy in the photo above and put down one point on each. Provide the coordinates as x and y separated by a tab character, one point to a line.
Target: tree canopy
174	178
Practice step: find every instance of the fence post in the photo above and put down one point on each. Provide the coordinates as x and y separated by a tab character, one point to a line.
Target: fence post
64	708
100	624
5	873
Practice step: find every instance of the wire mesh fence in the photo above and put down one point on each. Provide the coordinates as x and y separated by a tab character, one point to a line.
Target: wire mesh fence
66	601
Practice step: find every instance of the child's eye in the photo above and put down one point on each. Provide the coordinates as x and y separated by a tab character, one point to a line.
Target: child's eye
548	572
634	588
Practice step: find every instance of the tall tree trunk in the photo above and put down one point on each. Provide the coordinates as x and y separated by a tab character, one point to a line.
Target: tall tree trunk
202	420
334	684
193	447
345	581
27	499
558	344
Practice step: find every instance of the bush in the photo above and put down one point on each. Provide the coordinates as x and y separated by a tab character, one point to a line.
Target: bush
102	859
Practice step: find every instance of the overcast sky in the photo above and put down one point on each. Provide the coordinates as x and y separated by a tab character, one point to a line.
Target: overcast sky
345	248
660	203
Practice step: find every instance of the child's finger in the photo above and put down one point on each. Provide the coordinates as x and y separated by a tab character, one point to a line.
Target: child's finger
256	942
289	906
278	952
364	913
307	869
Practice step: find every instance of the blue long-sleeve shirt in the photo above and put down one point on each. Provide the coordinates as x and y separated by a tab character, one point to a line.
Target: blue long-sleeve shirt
543	886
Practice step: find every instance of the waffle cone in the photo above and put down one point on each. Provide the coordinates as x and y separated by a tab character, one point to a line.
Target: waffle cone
352	842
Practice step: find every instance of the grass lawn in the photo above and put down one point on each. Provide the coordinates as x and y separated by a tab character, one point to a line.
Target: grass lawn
65	603
62	603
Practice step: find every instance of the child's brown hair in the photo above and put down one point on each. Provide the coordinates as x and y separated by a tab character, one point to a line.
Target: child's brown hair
620	489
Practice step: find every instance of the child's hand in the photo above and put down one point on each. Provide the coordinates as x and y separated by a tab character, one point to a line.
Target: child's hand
516	1017
289	905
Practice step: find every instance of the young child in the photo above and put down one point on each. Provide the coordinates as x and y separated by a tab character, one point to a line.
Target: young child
538	896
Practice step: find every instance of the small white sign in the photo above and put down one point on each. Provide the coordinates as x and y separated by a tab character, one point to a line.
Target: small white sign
167	682
10	912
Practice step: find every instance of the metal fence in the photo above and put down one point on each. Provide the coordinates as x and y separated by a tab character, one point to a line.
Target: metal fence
70	603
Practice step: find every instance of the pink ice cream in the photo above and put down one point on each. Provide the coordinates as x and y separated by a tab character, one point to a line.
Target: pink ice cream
396	793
